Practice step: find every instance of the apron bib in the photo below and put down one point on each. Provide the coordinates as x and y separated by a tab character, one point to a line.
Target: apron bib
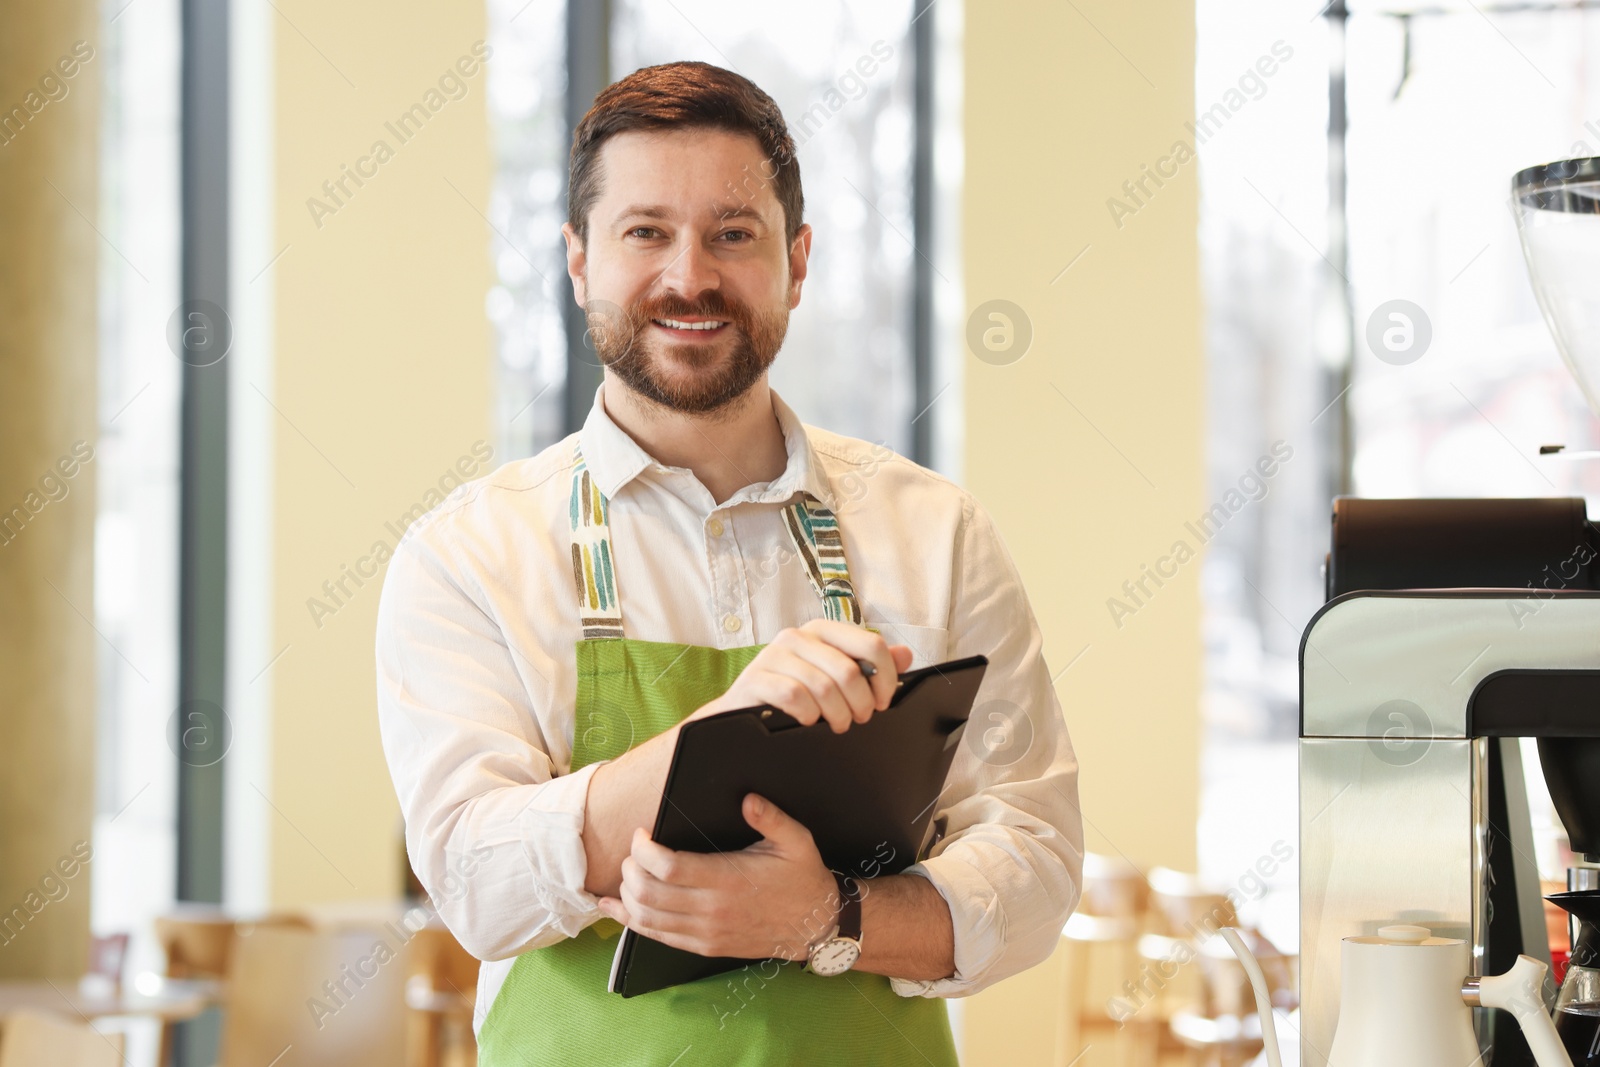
554	1008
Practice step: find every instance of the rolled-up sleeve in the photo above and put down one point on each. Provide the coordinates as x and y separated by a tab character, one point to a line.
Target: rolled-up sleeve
1011	861
483	804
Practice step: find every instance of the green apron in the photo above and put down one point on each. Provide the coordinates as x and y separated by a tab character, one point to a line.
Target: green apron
554	1007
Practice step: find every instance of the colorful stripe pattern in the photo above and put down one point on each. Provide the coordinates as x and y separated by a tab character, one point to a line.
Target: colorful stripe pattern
812	527
815	532
591	557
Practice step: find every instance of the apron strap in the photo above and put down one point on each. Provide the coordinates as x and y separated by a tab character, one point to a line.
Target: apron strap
815	532
590	514
812	527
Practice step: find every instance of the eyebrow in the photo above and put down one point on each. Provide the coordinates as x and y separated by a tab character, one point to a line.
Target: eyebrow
642	211
739	211
659	211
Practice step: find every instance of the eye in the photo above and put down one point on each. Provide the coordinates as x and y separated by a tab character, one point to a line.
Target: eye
745	235
648	231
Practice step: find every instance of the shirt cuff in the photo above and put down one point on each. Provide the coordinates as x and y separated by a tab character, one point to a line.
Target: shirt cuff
978	922
552	839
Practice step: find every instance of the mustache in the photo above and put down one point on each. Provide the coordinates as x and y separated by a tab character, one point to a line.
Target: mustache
711	304
623	325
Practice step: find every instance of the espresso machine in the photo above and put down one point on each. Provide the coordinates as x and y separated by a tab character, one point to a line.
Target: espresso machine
1453	629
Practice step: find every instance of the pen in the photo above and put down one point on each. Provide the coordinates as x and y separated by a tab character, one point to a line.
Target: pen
867	669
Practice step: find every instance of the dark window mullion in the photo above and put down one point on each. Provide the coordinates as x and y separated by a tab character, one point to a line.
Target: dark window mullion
923	194
588	72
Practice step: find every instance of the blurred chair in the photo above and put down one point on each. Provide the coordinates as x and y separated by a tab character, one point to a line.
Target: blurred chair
107	956
34	1039
336	996
1222	1029
1100	942
1200	991
440	994
1182	905
197	940
1185	914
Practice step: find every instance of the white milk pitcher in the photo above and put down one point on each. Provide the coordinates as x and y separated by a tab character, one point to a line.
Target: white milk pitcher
1404	997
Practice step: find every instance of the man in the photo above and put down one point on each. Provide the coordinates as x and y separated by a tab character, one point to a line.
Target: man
721	555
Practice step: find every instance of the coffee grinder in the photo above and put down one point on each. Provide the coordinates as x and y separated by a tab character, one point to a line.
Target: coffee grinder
1452	629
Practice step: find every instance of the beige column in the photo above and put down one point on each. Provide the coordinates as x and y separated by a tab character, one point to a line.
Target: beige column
362	393
1088	447
49	251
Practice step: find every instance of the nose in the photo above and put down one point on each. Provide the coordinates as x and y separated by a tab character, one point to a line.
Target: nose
691	270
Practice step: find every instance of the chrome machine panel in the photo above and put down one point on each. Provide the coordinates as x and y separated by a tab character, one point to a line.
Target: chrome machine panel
1381	841
1393	791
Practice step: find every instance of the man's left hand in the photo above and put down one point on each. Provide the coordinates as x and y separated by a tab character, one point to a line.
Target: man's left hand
769	900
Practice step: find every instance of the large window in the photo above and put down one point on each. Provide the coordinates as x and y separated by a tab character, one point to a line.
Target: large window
1373	166
527	94
843	76
1445	106
137	471
1274	351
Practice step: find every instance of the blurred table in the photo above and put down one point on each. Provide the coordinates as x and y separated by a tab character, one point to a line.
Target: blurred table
151	997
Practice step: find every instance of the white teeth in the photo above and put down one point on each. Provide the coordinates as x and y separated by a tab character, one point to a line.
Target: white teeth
678	324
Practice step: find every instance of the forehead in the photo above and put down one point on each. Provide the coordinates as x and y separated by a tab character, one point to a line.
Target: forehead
693	172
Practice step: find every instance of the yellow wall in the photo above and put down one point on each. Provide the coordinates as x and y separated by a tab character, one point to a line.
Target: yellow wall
381	369
1089	449
49	186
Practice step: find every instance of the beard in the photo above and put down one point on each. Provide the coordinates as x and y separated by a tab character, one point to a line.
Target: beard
695	379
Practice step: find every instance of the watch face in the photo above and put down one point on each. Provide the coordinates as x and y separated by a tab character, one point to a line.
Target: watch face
835	956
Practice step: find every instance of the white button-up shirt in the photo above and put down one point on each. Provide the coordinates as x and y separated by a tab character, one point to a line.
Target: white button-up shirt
477	677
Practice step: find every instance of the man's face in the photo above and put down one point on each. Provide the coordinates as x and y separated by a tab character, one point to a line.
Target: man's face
686	277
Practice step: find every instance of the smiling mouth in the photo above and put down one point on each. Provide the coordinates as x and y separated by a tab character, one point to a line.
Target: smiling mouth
686	328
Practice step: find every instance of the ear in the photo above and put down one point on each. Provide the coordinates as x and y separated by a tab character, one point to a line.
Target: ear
577	263
799	255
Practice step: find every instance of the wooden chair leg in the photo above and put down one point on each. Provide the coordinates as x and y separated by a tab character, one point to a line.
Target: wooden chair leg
164	1048
425	1049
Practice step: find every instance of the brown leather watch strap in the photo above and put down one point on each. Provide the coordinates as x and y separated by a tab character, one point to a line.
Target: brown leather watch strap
850	894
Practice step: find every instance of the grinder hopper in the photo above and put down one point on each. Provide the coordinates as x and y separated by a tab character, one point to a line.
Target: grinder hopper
1557	210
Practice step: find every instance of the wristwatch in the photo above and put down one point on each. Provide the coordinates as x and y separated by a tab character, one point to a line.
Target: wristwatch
839	952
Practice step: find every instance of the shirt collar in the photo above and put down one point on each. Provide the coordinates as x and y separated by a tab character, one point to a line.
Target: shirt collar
615	459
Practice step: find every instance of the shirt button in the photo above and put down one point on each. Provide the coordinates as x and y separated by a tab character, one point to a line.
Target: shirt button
715	526
731	623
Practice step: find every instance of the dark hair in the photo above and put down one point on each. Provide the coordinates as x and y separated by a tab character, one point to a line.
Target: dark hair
685	95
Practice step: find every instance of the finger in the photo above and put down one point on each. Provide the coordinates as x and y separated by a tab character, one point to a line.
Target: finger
857	642
902	657
852	687
612	908
831	702
816	683
660	925
648	899
776	825
773	682
687	869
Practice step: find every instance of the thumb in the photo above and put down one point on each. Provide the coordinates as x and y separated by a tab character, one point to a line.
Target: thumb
770	822
902	657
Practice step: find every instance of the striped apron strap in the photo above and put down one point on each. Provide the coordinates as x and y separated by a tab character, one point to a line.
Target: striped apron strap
815	532
592	560
812	527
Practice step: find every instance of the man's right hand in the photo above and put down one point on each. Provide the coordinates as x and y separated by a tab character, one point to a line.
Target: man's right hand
810	673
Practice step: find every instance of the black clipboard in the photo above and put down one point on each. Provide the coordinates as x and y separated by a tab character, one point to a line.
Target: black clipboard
867	795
